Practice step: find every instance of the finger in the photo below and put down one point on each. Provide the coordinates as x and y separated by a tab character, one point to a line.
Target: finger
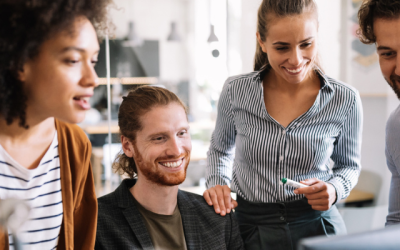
214	200
315	188
207	197
234	204
320	208
318	202
310	182
316	196
227	198
221	202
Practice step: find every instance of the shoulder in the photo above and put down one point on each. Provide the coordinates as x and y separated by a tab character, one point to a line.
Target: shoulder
393	123
107	200
206	213
72	133
343	89
108	208
242	79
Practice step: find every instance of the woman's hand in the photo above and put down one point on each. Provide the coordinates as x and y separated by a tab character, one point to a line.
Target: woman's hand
220	197
320	195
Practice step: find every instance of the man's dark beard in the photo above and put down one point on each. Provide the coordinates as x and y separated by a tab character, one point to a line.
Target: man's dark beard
153	174
394	81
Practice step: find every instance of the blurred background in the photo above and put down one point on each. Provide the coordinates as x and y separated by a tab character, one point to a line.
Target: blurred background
191	47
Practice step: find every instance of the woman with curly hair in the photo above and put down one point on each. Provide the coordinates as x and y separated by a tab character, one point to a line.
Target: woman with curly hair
48	50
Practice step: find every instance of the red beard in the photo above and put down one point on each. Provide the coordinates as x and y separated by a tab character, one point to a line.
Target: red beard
154	174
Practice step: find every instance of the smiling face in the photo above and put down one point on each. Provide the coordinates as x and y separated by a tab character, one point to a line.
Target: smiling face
60	80
162	148
387	33
291	46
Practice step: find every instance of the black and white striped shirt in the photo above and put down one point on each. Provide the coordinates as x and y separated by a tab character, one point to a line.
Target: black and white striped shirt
41	189
251	151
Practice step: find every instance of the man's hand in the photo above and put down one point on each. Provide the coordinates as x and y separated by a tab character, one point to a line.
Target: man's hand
320	195
220	197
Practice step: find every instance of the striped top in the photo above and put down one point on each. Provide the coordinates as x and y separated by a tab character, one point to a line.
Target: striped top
251	151
41	188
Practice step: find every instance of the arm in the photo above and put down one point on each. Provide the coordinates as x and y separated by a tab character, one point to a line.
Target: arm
85	214
220	157
394	197
3	239
347	151
346	155
393	162
221	152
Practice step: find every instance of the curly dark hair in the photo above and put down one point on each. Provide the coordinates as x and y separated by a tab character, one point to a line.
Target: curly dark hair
372	9
137	103
25	25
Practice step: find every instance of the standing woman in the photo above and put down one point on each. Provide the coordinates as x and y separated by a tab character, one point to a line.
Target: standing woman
48	50
287	119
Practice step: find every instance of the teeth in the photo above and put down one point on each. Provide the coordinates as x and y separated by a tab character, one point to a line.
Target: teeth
172	164
82	98
295	71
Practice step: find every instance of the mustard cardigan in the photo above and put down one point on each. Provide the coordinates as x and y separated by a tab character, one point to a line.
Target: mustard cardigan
78	229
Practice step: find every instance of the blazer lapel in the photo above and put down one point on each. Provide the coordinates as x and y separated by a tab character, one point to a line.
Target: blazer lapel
132	214
189	221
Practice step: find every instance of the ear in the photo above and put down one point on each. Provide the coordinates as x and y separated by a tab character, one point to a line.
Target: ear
261	43
127	146
24	72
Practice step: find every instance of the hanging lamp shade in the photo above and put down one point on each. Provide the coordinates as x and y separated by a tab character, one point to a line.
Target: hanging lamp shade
132	39
173	35
212	37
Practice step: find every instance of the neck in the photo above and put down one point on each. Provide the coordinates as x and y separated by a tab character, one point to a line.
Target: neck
39	126
16	134
274	81
155	198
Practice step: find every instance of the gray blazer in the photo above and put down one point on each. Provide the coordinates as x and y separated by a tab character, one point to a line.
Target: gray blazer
120	224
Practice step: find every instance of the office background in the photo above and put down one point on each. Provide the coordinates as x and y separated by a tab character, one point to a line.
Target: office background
192	46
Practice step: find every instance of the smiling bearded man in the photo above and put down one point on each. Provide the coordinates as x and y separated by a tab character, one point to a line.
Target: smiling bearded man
380	25
148	211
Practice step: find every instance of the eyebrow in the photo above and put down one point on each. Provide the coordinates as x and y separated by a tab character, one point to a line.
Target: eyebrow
283	43
66	49
383	48
166	132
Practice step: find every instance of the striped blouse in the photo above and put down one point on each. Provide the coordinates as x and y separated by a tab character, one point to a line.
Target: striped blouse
41	189
252	152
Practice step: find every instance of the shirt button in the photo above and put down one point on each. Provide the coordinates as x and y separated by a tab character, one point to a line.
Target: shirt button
284	132
282	218
281	158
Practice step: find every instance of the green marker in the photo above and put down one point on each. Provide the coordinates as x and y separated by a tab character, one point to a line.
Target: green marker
294	184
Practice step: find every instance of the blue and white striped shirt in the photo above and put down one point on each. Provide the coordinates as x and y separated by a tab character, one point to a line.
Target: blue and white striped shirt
252	152
41	189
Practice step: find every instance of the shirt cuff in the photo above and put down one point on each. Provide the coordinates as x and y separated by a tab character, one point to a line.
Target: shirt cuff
339	189
213	181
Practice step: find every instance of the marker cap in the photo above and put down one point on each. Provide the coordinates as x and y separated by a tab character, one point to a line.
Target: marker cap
284	180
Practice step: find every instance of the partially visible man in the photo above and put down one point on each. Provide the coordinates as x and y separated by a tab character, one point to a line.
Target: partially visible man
380	24
149	211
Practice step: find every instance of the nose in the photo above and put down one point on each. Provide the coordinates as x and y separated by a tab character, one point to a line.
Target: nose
295	57
89	76
174	147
